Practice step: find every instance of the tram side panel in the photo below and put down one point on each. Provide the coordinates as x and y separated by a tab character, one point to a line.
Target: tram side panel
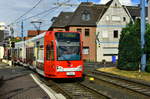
49	55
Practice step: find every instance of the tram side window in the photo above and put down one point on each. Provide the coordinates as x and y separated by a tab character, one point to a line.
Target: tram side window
52	51
48	52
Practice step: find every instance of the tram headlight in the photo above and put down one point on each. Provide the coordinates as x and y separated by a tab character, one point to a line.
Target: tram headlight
79	68
59	68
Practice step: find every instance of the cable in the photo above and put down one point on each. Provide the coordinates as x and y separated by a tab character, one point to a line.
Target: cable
36	14
28	11
40	13
45	11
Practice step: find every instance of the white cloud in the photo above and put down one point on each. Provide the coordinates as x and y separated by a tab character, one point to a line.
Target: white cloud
123	2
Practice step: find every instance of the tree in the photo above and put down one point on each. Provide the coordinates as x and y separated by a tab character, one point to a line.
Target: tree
147	46
129	47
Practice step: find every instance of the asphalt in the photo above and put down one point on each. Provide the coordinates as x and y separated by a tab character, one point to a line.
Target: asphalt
16	83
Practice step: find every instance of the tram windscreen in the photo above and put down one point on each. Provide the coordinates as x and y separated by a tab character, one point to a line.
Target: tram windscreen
68	46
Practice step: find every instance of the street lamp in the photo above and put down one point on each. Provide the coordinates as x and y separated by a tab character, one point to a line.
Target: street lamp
37	25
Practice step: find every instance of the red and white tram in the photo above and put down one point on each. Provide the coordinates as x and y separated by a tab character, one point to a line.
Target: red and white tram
53	54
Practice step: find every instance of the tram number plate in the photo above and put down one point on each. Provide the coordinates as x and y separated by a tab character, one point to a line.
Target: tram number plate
70	73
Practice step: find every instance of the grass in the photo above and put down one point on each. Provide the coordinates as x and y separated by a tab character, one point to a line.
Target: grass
130	74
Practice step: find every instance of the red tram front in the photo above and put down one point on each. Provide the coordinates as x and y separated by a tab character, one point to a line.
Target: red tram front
63	55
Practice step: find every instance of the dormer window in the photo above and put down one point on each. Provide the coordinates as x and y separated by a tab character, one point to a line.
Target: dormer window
85	16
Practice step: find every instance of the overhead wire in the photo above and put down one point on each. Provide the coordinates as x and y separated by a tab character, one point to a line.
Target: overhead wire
28	11
46	10
16	21
38	14
44	25
41	12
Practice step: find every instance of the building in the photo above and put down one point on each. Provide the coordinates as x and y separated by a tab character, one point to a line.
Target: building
108	31
100	27
82	22
2	37
32	33
4	31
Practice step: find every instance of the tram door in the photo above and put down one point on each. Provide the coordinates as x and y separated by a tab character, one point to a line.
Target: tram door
49	61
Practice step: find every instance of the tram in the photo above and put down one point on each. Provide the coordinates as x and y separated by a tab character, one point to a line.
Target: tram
53	54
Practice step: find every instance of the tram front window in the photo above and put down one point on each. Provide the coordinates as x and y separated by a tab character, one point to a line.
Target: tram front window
68	46
68	53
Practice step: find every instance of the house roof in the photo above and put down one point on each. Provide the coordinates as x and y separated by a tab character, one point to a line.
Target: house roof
96	11
62	20
135	11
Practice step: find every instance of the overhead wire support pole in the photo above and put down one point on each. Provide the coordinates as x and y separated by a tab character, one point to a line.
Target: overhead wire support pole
143	57
22	30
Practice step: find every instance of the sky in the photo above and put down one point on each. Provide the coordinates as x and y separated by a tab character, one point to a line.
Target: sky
13	9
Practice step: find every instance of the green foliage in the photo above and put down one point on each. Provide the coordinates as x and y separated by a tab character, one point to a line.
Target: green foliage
147	46
15	40
129	47
148	68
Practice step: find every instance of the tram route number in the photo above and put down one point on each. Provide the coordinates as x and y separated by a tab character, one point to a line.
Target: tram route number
70	73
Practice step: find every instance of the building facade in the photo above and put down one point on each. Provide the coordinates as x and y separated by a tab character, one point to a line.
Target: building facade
100	27
83	20
108	31
4	31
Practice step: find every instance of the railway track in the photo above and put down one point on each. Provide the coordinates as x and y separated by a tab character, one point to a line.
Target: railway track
104	86
73	89
134	86
77	90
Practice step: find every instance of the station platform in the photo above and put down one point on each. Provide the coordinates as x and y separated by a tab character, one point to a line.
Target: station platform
17	83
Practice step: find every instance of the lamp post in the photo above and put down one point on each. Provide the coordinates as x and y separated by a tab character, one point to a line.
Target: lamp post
37	25
143	57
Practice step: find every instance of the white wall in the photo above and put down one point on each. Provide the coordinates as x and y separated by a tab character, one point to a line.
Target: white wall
112	20
1	52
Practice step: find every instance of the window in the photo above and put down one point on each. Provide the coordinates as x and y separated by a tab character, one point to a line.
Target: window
79	30
85	16
110	54
48	52
87	32
115	33
85	50
116	18
124	19
52	51
38	48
